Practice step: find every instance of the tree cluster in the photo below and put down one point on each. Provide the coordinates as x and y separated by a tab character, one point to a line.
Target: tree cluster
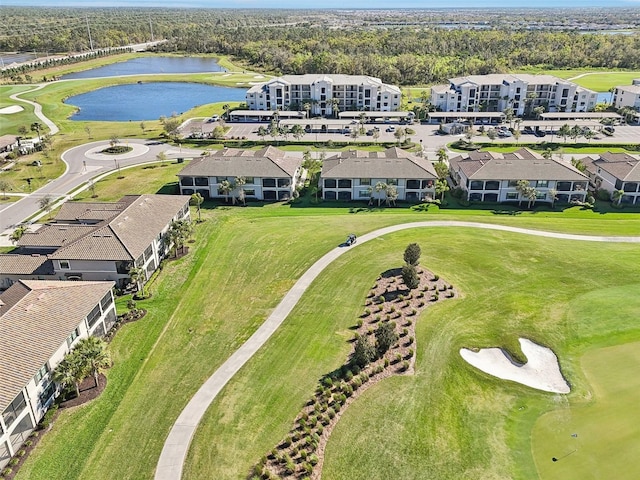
409	272
89	357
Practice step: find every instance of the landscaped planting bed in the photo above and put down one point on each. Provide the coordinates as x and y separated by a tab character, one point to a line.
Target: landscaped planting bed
389	307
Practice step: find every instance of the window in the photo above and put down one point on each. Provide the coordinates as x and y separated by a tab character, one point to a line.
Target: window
186	181
249	180
284	182
563	186
202	181
492	185
513	183
344	183
330	183
64	264
364	194
94	316
148	253
40	374
365	181
476	185
46	395
542	183
250	192
71	338
392	181
106	301
413	184
14	409
268	182
512	195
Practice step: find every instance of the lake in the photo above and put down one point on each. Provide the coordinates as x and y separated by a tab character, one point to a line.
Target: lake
148	101
145	65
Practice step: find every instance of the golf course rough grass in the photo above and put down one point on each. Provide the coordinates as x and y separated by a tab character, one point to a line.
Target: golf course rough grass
447	416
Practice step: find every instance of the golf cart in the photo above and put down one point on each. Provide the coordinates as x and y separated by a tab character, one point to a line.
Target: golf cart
351	239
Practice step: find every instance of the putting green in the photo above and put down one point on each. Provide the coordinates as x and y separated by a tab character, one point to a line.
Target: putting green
600	439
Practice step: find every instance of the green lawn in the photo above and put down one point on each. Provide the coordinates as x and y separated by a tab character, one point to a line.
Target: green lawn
244	261
10	123
605	421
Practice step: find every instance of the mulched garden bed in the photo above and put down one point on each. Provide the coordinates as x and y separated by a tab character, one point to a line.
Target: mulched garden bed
88	391
300	454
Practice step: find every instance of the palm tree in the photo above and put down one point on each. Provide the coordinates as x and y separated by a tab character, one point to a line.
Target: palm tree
71	370
380	187
521	188
225	188
297	131
113	141
335	106
161	157
553	196
547	154
239	184
441	187
442	155
94	354
617	196
391	193
138	276
307	108
197	199
589	134
226	109
564	132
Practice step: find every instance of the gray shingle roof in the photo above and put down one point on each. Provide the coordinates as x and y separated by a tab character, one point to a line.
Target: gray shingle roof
621	165
231	162
36	319
392	163
12	264
88	211
521	165
129	233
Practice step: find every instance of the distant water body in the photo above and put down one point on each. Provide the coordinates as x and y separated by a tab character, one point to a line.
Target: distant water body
148	101
146	65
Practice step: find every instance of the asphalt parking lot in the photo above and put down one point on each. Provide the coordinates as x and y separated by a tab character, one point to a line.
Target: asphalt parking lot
424	134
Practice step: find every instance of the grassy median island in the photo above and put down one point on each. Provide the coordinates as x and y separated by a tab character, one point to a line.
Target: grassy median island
244	260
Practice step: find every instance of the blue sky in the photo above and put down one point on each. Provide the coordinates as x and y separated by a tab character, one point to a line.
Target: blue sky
325	4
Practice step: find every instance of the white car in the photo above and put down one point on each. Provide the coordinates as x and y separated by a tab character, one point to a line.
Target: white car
215	118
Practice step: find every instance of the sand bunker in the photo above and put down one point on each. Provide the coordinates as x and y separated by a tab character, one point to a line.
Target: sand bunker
542	370
11	109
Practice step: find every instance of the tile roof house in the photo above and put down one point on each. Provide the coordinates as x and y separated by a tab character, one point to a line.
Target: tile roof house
617	171
98	241
353	175
492	177
269	173
14	267
40	321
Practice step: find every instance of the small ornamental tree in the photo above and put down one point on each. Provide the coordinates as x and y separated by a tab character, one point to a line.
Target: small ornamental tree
386	336
363	353
410	277
412	254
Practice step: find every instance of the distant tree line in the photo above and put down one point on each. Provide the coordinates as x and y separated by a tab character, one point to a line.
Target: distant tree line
274	41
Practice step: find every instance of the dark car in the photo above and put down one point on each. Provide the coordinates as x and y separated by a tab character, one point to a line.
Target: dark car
540	133
527	131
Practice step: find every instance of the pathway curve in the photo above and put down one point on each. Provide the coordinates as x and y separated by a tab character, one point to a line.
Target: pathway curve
176	446
37	108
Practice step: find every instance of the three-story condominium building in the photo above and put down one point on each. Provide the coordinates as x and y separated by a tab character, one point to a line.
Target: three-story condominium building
628	96
522	92
358	175
40	322
324	94
494	177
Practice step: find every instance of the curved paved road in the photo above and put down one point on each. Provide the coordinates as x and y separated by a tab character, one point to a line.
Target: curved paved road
83	165
176	446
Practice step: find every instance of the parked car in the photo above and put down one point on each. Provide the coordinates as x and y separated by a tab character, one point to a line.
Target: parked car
370	133
214	118
540	133
391	129
609	129
528	130
504	133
